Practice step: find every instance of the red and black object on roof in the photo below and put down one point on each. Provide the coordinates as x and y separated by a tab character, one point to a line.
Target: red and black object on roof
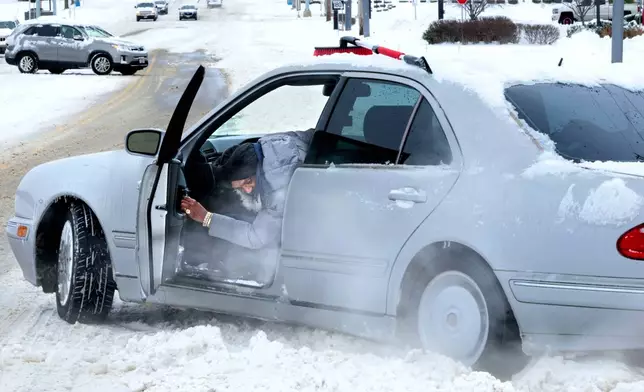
362	48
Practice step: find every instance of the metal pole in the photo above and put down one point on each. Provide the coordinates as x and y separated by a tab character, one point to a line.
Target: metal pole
441	9
366	4
347	15
55	7
38	6
307	10
618	31
415	2
335	20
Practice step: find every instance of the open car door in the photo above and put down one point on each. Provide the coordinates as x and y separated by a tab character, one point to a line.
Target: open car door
159	218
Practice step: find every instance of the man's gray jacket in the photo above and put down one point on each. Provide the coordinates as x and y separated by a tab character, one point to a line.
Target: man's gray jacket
282	153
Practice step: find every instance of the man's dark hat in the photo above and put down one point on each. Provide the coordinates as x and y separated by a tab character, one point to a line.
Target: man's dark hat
236	163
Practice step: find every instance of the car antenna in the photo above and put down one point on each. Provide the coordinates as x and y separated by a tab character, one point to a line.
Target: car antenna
560	62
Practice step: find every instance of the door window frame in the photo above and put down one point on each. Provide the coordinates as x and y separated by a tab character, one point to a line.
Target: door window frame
197	135
425	93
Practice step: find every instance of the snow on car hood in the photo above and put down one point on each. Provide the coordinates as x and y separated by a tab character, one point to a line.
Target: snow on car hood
5	32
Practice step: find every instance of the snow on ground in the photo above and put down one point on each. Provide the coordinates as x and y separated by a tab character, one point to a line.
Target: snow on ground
143	348
32	103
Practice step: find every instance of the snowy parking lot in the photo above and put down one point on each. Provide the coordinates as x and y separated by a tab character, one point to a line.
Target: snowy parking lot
147	348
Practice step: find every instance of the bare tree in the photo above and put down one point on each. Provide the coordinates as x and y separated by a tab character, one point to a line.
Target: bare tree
580	8
474	8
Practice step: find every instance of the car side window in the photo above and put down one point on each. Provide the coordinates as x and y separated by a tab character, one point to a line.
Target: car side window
426	143
46	31
30	31
367	124
69	32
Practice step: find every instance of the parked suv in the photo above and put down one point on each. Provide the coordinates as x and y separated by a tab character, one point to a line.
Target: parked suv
58	47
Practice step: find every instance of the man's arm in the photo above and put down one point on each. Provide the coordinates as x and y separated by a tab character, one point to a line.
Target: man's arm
264	230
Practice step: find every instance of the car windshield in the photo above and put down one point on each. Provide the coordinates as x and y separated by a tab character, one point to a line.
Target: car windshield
145	5
7	25
188	7
96	32
598	123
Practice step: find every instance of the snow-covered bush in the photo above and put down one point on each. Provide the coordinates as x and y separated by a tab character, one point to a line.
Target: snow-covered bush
492	29
631	29
541	34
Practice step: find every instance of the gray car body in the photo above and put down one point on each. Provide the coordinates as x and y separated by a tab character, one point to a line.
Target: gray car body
567	285
67	53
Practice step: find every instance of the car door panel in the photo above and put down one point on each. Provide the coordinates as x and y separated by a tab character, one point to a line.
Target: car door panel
344	225
342	230
157	215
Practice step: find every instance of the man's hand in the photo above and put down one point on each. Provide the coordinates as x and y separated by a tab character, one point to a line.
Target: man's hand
193	209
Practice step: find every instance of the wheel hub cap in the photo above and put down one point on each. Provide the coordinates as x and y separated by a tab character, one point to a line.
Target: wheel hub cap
102	64
453	317
65	263
27	63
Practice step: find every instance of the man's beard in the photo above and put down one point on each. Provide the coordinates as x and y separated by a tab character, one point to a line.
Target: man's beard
250	201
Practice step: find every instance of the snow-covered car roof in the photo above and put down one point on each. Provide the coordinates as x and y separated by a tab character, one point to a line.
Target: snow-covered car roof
489	83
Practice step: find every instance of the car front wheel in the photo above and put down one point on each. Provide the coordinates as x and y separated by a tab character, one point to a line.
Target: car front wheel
102	64
460	310
85	285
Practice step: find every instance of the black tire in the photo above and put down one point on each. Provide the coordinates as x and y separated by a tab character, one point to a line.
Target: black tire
22	67
128	71
138	19
102	64
155	19
502	354
57	71
91	292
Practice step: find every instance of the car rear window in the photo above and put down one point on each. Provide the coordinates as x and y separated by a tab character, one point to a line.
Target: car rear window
599	123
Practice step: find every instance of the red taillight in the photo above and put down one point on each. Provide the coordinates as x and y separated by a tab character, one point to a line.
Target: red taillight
355	50
631	243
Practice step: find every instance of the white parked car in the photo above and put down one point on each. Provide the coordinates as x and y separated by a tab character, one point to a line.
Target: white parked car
146	10
569	14
188	11
6	27
214	3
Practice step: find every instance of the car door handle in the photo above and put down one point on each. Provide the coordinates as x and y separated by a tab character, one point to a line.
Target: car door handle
161	207
408	194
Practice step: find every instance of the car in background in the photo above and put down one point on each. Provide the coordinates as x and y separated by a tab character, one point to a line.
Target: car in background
569	14
146	10
58	47
6	28
162	6
214	3
188	11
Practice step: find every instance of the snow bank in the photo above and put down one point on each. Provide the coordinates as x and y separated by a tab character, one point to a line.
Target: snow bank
30	103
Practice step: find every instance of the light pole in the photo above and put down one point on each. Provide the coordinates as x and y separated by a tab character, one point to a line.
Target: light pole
618	31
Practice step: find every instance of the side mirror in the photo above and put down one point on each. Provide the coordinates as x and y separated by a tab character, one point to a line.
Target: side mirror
78	38
143	141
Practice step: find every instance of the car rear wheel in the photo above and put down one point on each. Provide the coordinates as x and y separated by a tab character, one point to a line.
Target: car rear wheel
459	310
27	63
85	285
102	64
